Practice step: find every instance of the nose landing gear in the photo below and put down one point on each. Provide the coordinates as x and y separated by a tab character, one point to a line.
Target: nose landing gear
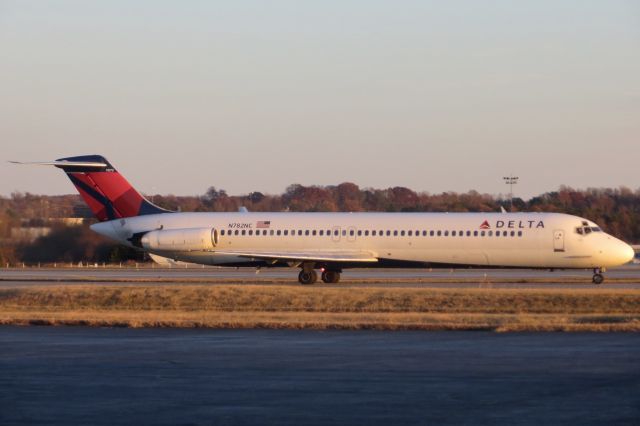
598	278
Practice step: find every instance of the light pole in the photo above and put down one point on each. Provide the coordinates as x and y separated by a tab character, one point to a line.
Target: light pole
510	180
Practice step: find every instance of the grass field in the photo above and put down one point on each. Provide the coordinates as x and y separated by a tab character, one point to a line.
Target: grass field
284	306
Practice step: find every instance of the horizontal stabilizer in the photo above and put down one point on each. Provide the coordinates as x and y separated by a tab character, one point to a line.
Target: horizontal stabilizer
62	163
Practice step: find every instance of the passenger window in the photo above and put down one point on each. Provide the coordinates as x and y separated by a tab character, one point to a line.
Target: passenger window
424	233
475	233
222	232
344	233
481	233
352	233
336	233
409	233
490	233
587	230
373	233
286	232
359	233
453	233
388	232
439	233
497	233
395	233
321	232
519	233
250	232
446	233
460	233
513	233
468	233
366	233
278	232
402	233
244	232
431	233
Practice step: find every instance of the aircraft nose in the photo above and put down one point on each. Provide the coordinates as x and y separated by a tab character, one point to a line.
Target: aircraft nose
626	253
615	252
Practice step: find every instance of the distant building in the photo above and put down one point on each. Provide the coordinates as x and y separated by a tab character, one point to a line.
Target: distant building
29	234
69	221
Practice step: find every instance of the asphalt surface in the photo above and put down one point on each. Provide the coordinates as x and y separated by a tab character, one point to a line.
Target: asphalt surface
65	376
513	278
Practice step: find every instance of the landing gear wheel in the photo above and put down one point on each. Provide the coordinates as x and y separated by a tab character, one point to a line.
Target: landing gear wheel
597	279
331	277
307	278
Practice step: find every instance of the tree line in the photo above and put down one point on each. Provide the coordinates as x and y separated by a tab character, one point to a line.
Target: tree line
616	210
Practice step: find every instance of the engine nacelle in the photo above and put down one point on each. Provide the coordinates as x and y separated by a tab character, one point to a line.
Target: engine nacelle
187	239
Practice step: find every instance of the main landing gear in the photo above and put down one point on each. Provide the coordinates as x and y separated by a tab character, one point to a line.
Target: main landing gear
309	276
330	277
598	278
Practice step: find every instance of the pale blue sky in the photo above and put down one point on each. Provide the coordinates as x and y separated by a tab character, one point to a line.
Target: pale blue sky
256	95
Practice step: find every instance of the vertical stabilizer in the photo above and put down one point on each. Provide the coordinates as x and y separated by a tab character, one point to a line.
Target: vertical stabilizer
107	193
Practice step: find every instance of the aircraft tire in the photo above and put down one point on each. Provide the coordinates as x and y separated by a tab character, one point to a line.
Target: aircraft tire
331	277
307	278
597	279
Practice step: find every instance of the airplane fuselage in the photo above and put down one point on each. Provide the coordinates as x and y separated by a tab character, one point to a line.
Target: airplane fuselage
524	240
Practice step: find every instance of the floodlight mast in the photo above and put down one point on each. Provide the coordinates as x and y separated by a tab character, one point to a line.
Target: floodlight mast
510	180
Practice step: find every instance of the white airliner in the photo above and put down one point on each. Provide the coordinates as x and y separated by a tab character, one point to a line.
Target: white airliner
331	242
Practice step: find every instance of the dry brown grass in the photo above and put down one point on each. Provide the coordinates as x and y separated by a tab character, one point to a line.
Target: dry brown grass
251	306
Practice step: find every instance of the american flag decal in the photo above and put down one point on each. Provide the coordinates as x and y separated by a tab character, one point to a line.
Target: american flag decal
263	224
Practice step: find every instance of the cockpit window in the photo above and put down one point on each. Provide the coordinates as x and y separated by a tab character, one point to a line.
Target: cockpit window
585	229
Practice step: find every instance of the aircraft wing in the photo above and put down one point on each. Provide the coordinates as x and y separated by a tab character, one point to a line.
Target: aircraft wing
305	255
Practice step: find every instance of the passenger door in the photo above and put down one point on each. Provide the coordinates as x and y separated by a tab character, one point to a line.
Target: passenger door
558	240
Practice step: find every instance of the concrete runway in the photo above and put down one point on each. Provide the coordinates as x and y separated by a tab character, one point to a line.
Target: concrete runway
63	376
510	278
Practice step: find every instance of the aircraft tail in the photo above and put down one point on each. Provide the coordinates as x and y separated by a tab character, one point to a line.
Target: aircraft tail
106	192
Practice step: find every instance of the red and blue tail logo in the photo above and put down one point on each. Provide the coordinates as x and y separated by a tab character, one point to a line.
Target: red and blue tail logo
106	192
